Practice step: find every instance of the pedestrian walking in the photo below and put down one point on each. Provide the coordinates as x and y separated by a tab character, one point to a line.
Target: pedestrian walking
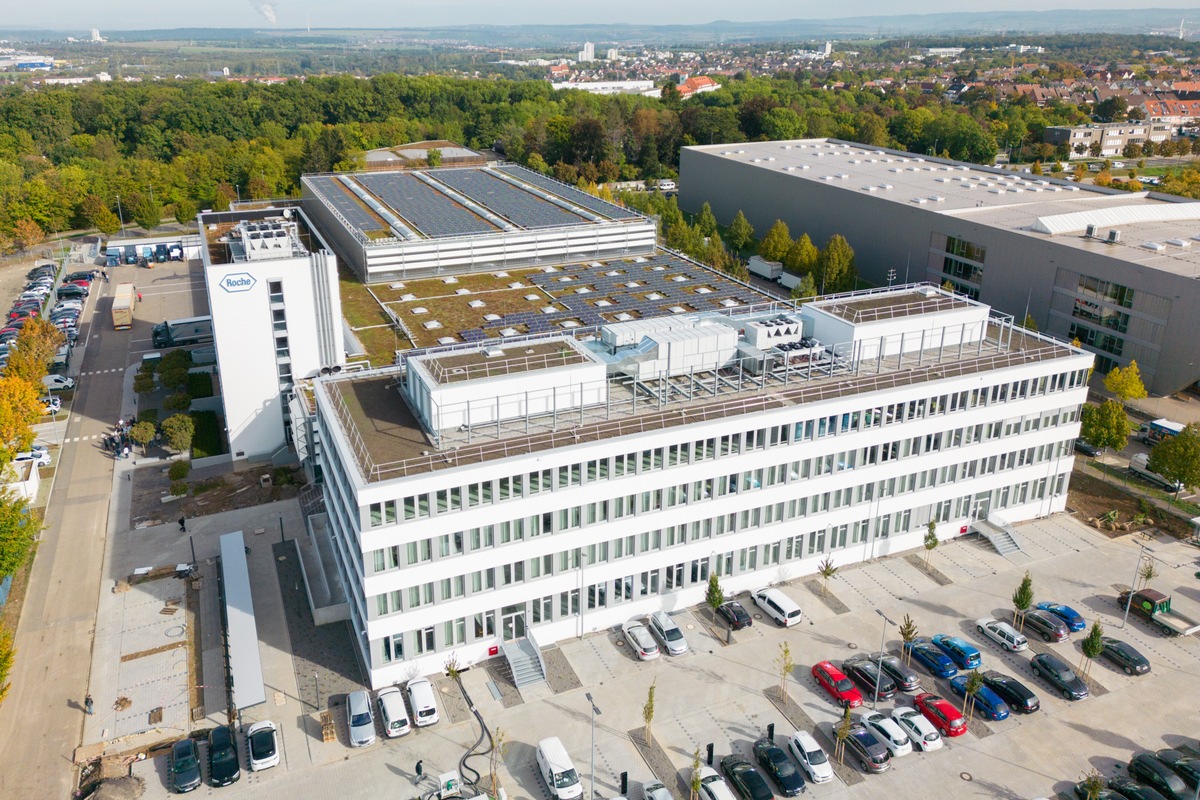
420	770
87	704
125	453
139	297
183	524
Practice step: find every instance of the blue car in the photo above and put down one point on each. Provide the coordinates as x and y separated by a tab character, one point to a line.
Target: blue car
1067	614
987	703
964	655
925	653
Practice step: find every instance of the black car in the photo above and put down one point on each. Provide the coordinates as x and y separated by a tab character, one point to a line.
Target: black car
1018	696
1130	789
1149	770
1081	791
776	764
71	290
1087	449
1185	766
37	272
1059	675
1124	656
870	753
735	615
1049	626
867	675
223	766
905	677
745	779
185	766
88	276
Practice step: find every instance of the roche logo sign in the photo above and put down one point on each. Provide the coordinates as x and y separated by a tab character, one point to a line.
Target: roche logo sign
238	282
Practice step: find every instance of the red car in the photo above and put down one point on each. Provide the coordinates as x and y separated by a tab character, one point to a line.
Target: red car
834	681
942	713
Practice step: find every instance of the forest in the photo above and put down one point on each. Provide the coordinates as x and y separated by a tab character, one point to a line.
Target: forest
87	157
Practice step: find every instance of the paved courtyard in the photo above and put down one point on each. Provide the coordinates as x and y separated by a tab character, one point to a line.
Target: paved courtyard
718	693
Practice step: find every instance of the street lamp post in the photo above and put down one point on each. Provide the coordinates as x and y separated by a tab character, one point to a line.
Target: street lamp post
1136	568
595	713
121	216
879	666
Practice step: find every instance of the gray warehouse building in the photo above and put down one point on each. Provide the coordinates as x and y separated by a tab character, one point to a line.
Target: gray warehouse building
1117	270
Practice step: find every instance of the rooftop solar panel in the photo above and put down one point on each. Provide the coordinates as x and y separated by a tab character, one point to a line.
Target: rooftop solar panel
431	212
568	193
349	206
514	204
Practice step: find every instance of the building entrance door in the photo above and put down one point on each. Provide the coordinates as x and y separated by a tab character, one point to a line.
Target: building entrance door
983	505
512	622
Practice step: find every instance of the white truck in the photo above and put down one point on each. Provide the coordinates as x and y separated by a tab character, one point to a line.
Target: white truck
771	270
1159	429
1140	465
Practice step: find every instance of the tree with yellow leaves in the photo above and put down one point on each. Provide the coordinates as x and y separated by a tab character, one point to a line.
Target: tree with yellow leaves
19	410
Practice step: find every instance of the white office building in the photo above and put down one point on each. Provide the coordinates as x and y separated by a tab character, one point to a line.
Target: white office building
523	492
277	318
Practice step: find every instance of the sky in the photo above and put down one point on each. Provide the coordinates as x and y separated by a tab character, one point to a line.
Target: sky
141	14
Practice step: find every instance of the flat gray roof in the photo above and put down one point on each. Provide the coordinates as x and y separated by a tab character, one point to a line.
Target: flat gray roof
245	665
1038	206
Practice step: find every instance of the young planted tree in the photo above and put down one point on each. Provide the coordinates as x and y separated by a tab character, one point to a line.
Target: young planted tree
1092	646
775	245
908	635
1147	572
1094	785
705	221
1126	384
971	691
841	733
1177	458
143	433
1022	599
496	758
1030	324
648	712
826	569
785	664
741	232
694	781
806	289
931	540
179	430
802	256
836	265
715	595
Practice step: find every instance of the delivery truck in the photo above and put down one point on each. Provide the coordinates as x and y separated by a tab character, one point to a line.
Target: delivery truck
1156	607
1154	432
122	308
179	332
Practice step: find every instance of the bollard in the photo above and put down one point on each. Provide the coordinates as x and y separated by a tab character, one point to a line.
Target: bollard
624	784
710	754
771	732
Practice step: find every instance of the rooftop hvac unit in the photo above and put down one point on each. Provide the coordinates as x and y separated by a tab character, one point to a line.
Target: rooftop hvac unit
1114	236
1091	232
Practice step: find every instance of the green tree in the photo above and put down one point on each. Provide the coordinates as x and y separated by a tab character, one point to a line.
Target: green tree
741	232
775	245
37	343
1030	324
144	383
802	257
1147	572
7	653
27	234
1092	646
908	634
1094	785
806	289
648	712
715	595
1177	458
97	214
931	540
694	778
179	401
433	157
143	433
179	430
16	532
19	411
1105	425
185	211
496	758
785	663
147	212
826	569
970	692
1022	599
705	221
1126	383
841	733
836	265
1036	169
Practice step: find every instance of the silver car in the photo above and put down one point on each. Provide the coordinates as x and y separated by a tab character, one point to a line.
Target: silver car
663	627
639	638
360	719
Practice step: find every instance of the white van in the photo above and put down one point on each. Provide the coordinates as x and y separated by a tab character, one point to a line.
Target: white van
779	607
557	771
424	704
393	712
59	382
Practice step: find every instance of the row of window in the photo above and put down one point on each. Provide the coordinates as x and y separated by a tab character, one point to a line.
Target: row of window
1100	315
513	619
629	546
458	498
1107	291
1105	342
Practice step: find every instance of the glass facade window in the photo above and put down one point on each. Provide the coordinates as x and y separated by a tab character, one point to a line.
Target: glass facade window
1113	293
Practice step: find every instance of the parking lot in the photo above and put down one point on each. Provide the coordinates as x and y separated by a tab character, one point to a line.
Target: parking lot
720	693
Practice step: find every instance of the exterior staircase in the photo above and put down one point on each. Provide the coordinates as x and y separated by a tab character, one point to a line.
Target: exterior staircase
524	664
999	533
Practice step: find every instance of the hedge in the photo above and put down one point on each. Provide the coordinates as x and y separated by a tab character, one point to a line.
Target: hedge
207	440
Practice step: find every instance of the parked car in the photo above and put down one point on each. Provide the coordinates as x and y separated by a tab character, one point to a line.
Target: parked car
963	654
989	704
1124	656
1059	675
1002	634
1090	450
745	779
942	713
919	730
1016	694
931	657
1068	615
778	606
40	458
1149	770
735	615
360	721
713	787
775	763
262	745
88	276
1081	791
185	766
1046	625
868	676
223	766
1130	789
392	712
57	383
835	682
50	405
904	676
639	639
656	790
810	757
889	732
868	752
1185	766
70	290
662	626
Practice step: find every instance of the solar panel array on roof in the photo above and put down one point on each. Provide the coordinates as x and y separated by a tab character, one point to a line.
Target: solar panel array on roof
515	205
349	206
428	210
568	193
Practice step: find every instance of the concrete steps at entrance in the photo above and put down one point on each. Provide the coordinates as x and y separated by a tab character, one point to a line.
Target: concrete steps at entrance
523	662
1001	535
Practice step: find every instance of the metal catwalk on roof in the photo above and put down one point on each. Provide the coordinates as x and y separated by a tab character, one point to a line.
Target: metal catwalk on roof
243	664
